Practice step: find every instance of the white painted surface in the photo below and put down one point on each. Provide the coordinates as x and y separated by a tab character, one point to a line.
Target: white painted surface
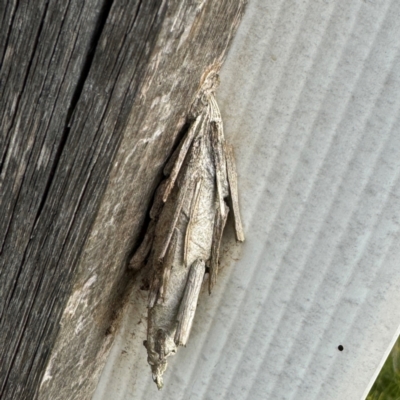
310	97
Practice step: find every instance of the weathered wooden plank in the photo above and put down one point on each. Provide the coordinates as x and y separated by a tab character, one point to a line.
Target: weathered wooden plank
46	54
93	95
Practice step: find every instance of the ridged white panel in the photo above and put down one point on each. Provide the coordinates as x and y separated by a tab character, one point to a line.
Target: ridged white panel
310	96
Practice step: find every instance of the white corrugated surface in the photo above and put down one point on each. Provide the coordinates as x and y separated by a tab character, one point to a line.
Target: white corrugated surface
310	97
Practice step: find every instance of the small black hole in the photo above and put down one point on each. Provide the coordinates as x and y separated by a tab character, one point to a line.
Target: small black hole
340	348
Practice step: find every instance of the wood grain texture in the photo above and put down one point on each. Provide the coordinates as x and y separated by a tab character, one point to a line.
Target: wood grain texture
93	96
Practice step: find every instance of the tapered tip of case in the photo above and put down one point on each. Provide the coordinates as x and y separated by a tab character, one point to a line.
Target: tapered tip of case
159	382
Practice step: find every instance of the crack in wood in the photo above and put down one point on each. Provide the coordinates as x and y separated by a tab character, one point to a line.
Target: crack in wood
7	36
36	41
103	15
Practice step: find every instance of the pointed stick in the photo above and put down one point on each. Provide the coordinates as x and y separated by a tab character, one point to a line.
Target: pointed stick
193	209
179	158
167	266
175	217
154	288
218	152
219	225
188	304
232	178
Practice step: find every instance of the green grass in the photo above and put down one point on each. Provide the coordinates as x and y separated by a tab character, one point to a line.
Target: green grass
387	384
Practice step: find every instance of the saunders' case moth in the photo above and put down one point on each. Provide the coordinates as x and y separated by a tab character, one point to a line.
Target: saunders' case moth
187	221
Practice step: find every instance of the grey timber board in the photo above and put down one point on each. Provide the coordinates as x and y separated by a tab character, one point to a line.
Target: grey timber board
93	97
